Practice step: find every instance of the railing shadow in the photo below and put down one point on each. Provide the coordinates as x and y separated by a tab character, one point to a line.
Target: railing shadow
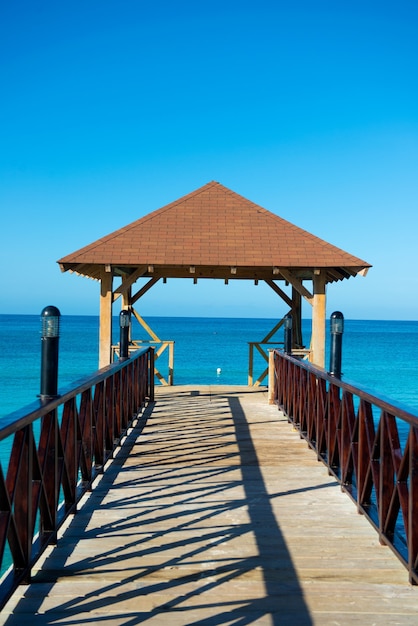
137	502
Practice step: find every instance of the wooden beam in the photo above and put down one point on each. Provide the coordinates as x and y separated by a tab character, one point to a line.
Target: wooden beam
279	292
82	269
297	284
105	330
297	318
261	377
224	272
127	300
273	331
146	327
261	351
144	289
128	281
318	320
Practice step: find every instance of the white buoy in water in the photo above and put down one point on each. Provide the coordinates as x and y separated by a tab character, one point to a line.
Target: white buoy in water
218	371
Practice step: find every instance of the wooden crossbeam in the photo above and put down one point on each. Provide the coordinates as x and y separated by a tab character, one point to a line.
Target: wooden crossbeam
144	289
272	332
297	284
279	291
128	281
261	377
160	377
261	351
146	327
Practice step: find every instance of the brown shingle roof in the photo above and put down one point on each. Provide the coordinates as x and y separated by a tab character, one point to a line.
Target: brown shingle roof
212	227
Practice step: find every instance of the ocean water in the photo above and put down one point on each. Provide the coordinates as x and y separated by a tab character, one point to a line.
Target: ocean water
379	355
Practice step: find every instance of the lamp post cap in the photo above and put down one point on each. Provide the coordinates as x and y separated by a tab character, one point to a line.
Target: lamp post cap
124	318
50	311
337	323
288	321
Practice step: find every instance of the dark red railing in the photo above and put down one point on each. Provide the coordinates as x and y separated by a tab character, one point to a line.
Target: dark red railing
57	449
369	445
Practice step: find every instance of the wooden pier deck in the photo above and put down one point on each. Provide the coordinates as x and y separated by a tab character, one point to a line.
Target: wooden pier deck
216	513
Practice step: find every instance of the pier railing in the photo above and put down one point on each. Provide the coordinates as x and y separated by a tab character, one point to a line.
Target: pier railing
368	444
160	347
56	450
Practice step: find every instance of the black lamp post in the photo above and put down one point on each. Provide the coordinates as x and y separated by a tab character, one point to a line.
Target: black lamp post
288	324
337	329
50	318
124	323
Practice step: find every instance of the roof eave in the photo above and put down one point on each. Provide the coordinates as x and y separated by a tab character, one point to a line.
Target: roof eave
333	273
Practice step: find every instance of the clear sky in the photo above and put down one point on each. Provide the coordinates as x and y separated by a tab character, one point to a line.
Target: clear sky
110	109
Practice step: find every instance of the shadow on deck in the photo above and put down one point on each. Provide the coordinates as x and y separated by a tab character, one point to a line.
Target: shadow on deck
216	513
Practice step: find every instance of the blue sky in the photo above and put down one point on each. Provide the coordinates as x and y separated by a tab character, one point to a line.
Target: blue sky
111	109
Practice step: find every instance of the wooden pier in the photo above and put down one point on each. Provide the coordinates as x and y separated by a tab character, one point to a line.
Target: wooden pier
216	512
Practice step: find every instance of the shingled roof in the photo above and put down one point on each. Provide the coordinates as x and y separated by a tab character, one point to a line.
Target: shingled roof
207	233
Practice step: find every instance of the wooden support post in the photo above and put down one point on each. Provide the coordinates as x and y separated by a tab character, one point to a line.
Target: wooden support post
105	331
250	364
318	320
171	363
127	299
297	318
126	305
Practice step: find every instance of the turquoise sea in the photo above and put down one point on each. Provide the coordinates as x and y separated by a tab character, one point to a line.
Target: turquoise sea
379	355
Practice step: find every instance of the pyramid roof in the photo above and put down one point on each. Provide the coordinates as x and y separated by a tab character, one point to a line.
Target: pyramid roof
210	233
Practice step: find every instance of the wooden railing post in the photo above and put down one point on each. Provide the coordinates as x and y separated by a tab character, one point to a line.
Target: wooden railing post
271	378
250	364
171	363
413	506
151	375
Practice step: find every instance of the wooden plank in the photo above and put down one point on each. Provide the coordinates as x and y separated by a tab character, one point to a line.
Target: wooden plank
215	511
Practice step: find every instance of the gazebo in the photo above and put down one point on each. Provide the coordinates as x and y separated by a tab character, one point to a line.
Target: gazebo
214	232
